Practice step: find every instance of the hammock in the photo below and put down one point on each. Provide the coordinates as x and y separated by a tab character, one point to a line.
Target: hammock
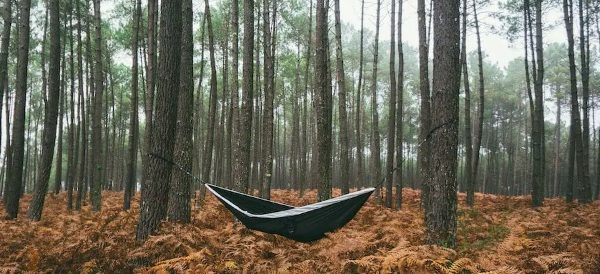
304	224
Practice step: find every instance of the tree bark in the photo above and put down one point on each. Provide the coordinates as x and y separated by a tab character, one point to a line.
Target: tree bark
441	220
323	105
180	193
376	143
130	179
425	107
155	194
50	116
211	119
14	182
343	114
242	174
399	113
269	91
150	82
4	47
585	189
359	145
389	174
469	171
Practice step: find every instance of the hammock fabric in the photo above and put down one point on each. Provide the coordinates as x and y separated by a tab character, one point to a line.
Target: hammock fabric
304	224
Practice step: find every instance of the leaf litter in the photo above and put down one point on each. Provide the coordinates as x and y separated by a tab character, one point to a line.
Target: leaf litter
499	235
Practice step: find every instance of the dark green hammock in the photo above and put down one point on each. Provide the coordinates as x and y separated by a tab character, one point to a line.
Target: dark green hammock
304	224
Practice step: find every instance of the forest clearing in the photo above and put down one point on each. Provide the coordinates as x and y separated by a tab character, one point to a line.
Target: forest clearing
499	235
355	136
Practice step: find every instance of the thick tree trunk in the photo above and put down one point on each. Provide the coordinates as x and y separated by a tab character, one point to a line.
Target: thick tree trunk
180	193
50	117
130	179
14	182
155	194
323	105
242	173
441	220
538	139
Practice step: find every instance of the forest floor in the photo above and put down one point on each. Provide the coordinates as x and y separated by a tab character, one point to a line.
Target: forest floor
500	235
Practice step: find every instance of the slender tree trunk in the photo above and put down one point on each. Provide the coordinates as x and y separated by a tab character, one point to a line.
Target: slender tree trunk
425	107
82	114
150	82
469	171
538	129
343	116
97	164
399	113
5	42
155	194
575	138
305	132
267	123
480	106
441	220
389	174
211	119
359	145
376	143
72	129
235	112
557	147
130	180
585	190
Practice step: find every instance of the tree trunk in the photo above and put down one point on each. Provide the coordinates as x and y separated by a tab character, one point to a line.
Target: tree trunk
343	116
425	108
211	118
235	113
242	173
82	114
150	82
441	220
155	194
72	129
7	21
359	145
585	190
323	105
97	163
480	107
469	171
50	117
14	182
179	195
267	123
130	179
389	174
376	143
538	139
575	138
305	132
399	113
